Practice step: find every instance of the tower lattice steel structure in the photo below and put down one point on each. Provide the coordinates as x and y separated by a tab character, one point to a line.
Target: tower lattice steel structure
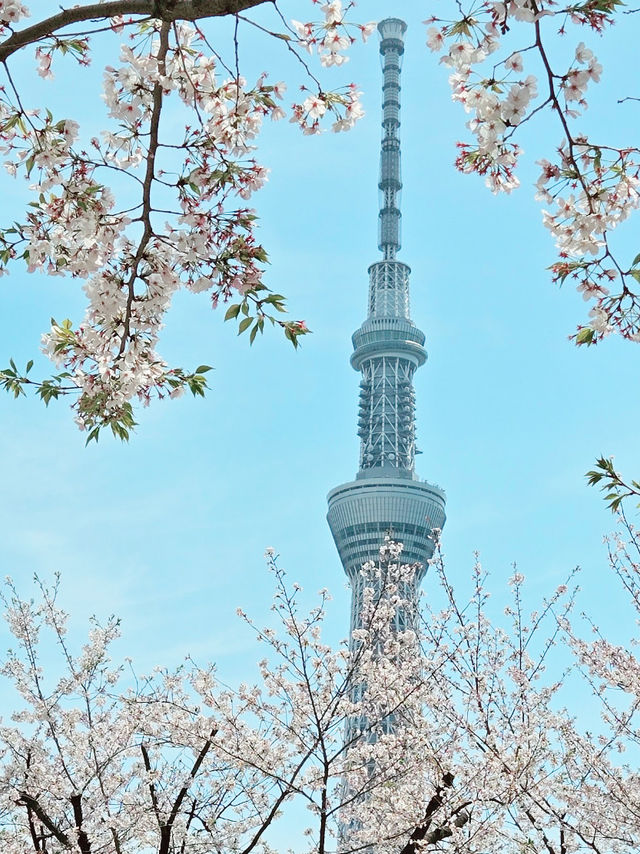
387	497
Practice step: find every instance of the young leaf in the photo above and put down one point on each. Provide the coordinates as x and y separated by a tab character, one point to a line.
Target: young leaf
585	335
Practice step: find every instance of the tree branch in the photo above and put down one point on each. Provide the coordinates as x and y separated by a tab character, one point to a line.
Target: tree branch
166	829
154	127
32	829
183	10
152	788
421	835
31	803
83	839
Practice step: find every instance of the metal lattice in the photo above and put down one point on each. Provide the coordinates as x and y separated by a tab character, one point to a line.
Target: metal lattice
389	290
386	423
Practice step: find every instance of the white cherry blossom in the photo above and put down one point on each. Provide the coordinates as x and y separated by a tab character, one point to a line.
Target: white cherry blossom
189	225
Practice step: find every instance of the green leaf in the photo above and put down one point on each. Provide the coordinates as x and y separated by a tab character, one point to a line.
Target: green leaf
636	260
635	274
197	386
597	160
202	369
232	311
244	324
585	335
93	436
29	365
119	431
254	332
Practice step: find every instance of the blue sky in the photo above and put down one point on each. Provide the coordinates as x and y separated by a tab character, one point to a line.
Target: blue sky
169	531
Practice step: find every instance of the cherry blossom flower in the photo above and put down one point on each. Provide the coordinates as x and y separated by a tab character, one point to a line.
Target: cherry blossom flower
591	187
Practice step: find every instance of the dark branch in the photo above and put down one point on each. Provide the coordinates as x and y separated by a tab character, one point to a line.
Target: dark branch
83	839
166	830
183	10
152	788
145	216
32	829
32	804
421	834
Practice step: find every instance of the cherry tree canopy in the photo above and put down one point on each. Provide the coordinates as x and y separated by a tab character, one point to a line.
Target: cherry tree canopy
450	737
139	212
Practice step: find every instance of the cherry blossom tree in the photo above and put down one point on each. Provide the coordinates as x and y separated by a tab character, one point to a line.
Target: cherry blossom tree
100	758
613	672
590	186
137	213
144	209
446	734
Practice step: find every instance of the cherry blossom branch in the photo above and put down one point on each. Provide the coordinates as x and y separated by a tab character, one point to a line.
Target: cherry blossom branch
591	187
145	216
151	785
288	42
421	835
32	803
83	840
208	244
182	10
32	827
545	839
553	99
167	828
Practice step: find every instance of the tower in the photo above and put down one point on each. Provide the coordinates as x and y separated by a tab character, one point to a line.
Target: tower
386	497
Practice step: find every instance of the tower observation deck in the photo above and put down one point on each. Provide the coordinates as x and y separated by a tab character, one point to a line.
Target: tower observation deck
387	497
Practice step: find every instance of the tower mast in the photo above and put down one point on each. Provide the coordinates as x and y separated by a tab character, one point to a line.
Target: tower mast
386	495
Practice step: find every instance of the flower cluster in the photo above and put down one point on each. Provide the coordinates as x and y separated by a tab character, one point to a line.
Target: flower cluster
345	107
498	105
332	37
447	729
178	218
591	187
575	82
12	11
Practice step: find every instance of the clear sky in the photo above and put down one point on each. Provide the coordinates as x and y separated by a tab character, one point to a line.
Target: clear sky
169	531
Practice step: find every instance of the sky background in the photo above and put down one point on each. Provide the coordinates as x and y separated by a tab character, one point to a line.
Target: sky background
169	531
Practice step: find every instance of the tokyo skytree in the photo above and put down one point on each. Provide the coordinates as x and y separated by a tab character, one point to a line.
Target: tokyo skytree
386	497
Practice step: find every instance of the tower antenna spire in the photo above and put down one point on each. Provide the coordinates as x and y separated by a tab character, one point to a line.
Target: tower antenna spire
391	49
